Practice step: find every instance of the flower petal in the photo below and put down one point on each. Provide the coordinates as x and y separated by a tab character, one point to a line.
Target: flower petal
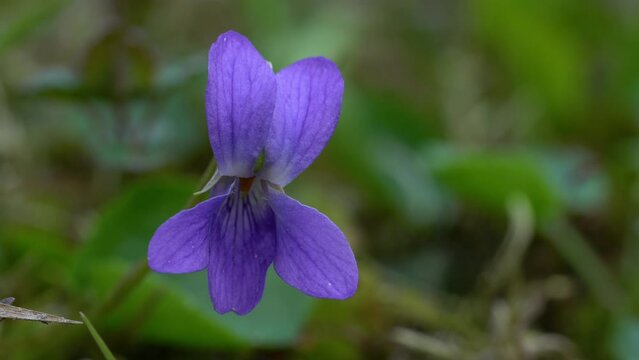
240	97
181	244
242	249
312	253
309	100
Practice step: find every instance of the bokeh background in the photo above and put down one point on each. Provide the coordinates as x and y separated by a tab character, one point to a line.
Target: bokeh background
485	170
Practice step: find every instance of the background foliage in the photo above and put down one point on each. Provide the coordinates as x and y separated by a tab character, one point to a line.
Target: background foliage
485	169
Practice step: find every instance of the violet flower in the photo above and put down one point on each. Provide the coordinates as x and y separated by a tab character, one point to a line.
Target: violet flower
249	222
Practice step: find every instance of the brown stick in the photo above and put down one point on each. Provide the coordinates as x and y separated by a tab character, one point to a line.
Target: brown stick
8	311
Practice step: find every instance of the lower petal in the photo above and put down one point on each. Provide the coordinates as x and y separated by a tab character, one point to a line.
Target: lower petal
312	253
242	249
181	244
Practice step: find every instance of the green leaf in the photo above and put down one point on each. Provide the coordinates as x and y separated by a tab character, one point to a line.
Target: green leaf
488	180
126	224
159	311
276	321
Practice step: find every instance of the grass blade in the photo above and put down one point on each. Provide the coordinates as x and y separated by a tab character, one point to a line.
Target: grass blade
98	339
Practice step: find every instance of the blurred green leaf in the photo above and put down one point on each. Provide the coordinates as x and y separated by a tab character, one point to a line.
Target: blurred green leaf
48	252
36	242
119	63
276	321
180	72
376	145
157	133
55	83
274	15
576	176
412	190
530	37
330	31
156	311
625	339
24	19
127	223
489	179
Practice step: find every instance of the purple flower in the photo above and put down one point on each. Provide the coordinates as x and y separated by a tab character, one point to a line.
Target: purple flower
249	222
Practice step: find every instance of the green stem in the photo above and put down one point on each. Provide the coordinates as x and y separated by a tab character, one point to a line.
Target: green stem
584	260
125	285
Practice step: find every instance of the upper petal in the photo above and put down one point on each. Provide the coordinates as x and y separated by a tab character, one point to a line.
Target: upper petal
240	97
181	244
312	253
242	249
309	101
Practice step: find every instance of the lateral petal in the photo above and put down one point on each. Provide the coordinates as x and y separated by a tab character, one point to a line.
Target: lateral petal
312	253
181	244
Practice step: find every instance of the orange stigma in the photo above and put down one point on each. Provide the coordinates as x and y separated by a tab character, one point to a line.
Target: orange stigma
245	184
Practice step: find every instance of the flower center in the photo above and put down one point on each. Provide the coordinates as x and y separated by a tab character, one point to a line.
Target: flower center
245	184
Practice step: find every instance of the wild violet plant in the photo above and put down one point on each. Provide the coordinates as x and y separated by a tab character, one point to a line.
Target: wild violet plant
249	222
